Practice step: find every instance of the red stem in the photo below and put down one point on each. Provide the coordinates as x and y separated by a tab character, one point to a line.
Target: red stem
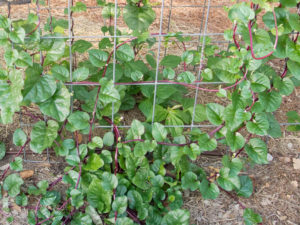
296	38
78	154
98	91
59	209
62	127
52	184
253	101
36	27
234	38
19	152
117	137
234	198
133	217
242	149
285	71
160	143
251	40
216	130
36	210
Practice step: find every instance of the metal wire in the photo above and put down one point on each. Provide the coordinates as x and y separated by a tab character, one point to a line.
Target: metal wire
157	59
206	6
114	59
201	63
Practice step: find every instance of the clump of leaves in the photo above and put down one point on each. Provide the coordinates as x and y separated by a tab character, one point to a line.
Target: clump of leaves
137	176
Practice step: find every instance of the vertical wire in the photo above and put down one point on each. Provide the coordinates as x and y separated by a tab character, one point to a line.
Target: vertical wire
114	59
50	16
157	60
169	21
201	62
21	115
201	26
70	2
41	57
12	46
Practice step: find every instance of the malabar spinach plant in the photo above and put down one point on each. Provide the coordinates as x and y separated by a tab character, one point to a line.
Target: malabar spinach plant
138	175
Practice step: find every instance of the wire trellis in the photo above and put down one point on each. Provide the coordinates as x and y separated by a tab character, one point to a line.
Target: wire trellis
201	36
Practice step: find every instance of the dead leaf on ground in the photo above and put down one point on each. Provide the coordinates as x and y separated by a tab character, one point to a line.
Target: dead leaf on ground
26	174
79	138
16	207
296	163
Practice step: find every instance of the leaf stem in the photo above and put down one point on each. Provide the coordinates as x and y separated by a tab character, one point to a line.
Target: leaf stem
52	184
117	137
133	217
234	198
36	27
284	71
78	154
234	38
251	39
242	149
216	130
19	152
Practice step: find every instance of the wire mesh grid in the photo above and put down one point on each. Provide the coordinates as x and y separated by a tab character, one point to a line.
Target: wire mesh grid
204	16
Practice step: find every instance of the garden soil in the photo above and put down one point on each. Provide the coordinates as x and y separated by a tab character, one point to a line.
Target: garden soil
276	185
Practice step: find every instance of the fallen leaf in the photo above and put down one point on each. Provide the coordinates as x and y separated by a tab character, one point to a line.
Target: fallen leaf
296	163
16	207
79	138
26	174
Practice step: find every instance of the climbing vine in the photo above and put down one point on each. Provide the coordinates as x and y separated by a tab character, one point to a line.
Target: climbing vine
137	175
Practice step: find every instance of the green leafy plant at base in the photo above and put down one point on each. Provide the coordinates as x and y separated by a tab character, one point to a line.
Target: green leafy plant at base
137	176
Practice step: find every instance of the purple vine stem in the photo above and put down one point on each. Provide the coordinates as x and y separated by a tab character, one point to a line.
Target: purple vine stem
234	198
234	37
284	71
36	210
52	184
19	152
78	154
117	137
251	39
216	130
59	179
98	91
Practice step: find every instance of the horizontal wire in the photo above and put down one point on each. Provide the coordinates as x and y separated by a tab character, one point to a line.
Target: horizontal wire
168	126
129	36
123	6
146	83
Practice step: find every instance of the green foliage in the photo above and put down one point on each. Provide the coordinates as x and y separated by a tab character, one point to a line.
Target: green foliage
19	137
251	218
12	184
43	135
2	150
139	173
293	117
